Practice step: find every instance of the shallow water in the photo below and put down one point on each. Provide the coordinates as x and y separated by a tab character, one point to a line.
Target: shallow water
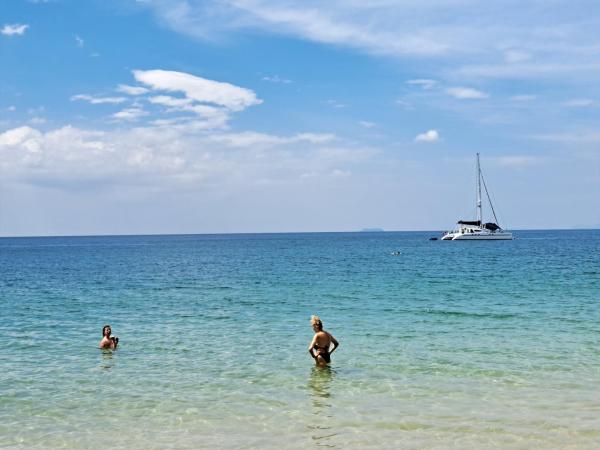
446	345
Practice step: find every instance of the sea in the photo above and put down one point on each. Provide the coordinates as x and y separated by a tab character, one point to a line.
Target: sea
460	345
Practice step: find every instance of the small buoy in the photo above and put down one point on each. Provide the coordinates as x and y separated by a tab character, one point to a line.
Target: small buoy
395	253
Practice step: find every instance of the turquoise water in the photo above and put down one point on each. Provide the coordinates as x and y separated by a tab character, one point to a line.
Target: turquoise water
446	345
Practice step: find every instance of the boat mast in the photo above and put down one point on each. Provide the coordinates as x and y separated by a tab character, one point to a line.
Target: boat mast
479	192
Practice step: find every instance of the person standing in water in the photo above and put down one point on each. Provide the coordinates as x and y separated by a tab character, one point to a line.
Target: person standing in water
108	341
320	345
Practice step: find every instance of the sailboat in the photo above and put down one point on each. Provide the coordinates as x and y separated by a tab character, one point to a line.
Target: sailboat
477	230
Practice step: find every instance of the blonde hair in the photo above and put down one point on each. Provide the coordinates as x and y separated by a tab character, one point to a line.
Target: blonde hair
314	320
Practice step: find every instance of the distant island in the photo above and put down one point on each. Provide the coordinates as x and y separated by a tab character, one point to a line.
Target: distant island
371	230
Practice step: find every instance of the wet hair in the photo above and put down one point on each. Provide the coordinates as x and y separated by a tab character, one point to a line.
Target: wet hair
314	320
104	329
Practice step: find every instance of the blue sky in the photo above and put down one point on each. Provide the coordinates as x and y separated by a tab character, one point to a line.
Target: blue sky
173	116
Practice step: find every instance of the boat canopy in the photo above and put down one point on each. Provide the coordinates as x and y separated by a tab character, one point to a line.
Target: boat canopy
488	226
491	226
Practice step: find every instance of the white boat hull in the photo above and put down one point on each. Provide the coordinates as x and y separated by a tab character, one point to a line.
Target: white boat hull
487	237
458	236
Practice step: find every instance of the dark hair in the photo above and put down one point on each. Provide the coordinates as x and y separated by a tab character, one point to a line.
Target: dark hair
104	328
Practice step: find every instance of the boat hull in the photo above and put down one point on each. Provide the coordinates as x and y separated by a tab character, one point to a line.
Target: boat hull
489	237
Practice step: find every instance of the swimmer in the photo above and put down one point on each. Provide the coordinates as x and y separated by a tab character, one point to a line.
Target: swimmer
321	343
108	341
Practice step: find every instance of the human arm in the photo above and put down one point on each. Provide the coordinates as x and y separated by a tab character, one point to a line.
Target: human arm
334	342
312	346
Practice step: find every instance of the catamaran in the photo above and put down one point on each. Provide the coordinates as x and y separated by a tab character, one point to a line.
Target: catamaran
477	230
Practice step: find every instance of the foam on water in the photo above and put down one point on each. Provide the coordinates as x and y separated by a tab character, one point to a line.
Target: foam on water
446	345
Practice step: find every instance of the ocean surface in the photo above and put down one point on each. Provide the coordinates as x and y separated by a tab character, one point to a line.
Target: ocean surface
444	345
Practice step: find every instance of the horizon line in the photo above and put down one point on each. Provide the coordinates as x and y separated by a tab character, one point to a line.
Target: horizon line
365	231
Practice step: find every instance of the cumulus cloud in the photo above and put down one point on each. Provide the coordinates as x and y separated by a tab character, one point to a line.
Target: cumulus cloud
15	29
428	136
18	136
98	100
167	156
465	93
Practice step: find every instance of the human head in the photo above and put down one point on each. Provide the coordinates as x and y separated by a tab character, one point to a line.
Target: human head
316	323
105	329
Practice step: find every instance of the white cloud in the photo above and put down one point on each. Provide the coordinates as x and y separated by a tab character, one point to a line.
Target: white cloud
79	41
199	89
167	156
508	39
465	93
428	136
277	79
130	114
173	102
336	22
255	139
18	136
98	100
16	29
37	120
11	108
214	117
579	103
423	83
132	90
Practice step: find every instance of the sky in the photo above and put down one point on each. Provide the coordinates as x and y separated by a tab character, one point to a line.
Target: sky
233	116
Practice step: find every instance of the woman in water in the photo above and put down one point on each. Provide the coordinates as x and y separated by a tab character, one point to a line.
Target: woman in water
108	341
321	343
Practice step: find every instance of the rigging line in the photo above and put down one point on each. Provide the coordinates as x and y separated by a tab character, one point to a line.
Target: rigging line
489	199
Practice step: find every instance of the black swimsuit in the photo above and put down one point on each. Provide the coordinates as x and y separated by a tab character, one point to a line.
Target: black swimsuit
323	352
